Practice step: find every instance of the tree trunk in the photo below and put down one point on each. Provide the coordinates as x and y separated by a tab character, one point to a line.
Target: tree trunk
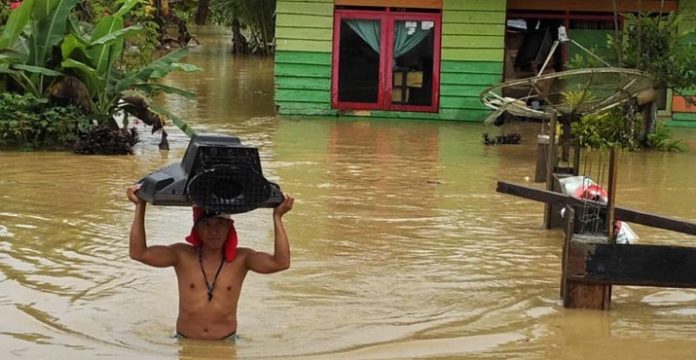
202	12
648	100
239	42
649	122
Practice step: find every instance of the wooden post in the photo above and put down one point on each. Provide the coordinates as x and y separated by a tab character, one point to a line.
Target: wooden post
611	210
590	268
542	158
550	167
611	201
576	157
569	231
579	294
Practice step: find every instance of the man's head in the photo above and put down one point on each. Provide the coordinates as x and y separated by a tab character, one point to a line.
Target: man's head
199	215
206	230
212	227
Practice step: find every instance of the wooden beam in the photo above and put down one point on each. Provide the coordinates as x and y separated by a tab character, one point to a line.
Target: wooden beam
594	6
638	265
623	214
654	220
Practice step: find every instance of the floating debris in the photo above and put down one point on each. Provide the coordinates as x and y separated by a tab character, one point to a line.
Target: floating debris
502	139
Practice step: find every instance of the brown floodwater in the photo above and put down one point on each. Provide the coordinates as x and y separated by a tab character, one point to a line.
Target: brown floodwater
401	246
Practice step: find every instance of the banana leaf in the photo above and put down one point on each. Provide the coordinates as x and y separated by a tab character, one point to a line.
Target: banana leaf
103	55
160	73
154	88
126	7
42	8
181	124
117	35
161	67
11	56
50	29
21	79
37	70
70	44
18	20
74	28
88	75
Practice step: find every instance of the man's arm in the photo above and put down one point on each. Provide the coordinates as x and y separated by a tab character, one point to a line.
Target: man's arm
157	255
265	263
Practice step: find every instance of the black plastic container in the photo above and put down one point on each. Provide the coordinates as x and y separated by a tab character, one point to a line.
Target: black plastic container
217	173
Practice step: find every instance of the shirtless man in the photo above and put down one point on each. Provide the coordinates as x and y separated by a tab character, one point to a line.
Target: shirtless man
210	275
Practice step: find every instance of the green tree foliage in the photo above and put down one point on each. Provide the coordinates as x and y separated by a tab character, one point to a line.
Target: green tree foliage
27	41
652	43
618	128
139	49
30	123
606	130
655	44
46	52
661	139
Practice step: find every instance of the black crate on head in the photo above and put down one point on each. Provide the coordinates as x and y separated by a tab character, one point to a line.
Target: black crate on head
217	173
225	175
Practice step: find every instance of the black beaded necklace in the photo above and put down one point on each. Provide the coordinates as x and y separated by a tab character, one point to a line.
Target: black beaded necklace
210	287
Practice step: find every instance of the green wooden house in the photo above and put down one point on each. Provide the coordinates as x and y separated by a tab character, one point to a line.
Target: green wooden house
428	59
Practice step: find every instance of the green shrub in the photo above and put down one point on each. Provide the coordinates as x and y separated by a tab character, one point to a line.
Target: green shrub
613	129
27	122
607	129
661	139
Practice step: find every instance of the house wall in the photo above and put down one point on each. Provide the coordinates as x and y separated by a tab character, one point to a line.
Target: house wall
304	31
473	42
683	113
472	58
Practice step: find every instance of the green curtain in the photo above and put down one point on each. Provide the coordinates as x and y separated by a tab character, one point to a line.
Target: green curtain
406	39
368	30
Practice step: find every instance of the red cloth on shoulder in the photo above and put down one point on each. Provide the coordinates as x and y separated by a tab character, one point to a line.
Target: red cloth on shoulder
230	244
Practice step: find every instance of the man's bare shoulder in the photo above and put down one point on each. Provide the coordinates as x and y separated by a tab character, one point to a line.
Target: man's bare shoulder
244	251
183	248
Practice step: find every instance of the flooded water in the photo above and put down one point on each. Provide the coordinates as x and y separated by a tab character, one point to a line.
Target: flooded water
401	247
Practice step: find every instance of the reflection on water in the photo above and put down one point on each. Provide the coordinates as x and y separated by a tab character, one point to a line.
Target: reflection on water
401	246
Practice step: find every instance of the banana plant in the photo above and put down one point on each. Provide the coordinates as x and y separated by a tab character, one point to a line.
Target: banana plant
92	60
26	44
85	71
